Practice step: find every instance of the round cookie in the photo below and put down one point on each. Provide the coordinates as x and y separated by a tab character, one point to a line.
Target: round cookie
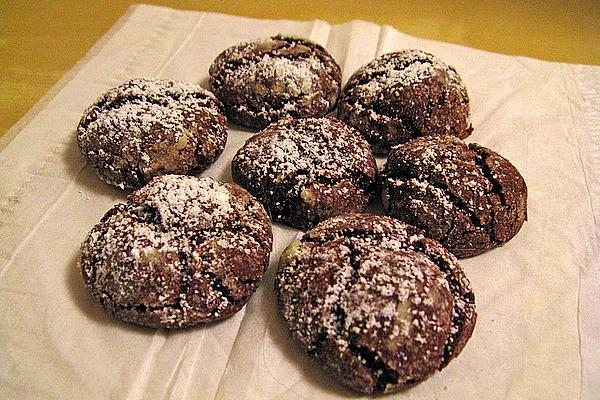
306	170
464	195
268	79
403	95
181	251
378	305
150	127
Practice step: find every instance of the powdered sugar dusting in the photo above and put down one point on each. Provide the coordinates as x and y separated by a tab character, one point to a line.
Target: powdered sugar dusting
268	79
394	72
374	285
306	149
172	255
288	77
283	163
177	200
403	95
145	126
446	187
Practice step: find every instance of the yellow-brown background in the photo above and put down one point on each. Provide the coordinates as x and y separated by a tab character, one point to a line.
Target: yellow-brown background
41	40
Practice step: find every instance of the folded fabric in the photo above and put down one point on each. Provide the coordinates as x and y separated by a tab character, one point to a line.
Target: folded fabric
537	335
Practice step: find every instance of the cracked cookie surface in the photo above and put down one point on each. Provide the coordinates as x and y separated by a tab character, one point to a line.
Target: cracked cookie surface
182	250
306	170
268	79
149	127
379	306
464	195
403	95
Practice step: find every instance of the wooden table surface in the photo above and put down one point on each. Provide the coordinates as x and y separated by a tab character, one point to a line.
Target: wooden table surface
41	40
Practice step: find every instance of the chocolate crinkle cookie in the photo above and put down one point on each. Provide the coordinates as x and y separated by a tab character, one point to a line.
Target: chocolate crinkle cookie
268	79
464	195
378	305
306	170
403	95
181	251
150	127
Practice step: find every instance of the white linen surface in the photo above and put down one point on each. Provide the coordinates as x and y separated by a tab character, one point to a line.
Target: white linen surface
538	332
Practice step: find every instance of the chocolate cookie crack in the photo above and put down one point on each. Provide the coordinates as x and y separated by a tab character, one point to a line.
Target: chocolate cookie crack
497	188
148	214
336	310
92	266
286	48
464	302
409	123
405	177
143	308
314	348
383	374
357	179
379	370
285	105
216	284
236	228
187	276
349	233
139	308
457	202
388	68
165	99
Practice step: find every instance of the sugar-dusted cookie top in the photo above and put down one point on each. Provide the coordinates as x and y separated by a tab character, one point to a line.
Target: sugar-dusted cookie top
403	95
150	127
182	250
378	305
465	195
268	79
306	170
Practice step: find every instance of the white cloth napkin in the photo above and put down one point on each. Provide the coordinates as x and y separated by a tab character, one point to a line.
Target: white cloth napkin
538	332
